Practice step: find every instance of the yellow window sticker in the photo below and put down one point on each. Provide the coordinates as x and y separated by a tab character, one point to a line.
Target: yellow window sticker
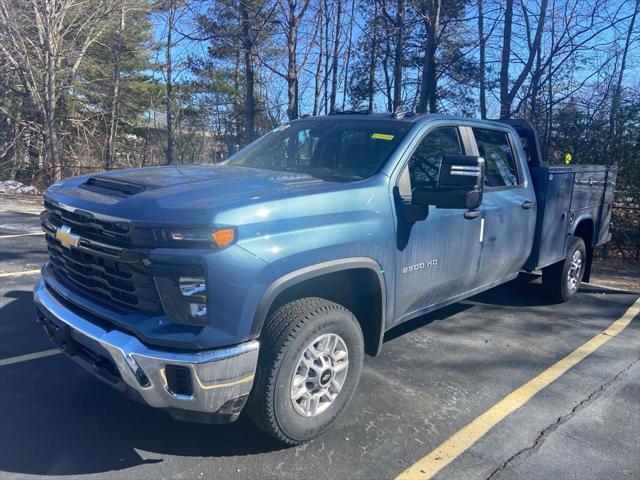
382	136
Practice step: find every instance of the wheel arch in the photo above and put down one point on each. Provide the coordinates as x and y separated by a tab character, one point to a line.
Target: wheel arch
356	283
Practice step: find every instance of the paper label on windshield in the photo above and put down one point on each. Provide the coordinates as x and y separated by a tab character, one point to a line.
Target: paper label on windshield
382	136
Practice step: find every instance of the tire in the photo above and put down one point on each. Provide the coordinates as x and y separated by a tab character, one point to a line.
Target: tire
561	280
286	336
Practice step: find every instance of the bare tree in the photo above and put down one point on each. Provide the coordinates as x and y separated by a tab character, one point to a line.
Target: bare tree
372	60
509	91
398	58
292	14
249	94
320	45
169	94
336	53
115	93
45	41
428	87
614	115
482	66
348	56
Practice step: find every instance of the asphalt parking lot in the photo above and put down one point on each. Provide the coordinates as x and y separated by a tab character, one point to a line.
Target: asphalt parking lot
436	375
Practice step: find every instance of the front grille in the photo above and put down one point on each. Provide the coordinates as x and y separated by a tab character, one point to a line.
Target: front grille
86	225
97	270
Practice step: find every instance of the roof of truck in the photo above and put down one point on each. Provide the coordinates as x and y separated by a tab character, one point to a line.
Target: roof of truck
408	117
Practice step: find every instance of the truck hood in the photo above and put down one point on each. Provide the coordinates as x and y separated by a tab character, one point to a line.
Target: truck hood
178	194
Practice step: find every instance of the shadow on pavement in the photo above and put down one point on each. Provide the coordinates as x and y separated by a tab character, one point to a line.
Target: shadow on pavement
57	419
519	292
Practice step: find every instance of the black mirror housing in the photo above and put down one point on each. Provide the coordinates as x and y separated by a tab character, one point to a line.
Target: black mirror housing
460	184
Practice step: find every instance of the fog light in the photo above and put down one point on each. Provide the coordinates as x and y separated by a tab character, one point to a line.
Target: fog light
198	310
184	299
193	286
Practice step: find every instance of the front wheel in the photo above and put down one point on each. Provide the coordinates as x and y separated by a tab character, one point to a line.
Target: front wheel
561	280
311	356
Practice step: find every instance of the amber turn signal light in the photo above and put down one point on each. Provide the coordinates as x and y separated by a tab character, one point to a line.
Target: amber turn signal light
223	236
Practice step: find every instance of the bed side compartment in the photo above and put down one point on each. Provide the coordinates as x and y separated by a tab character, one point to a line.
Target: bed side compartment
553	195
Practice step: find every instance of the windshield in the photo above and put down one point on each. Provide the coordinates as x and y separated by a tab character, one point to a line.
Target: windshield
341	149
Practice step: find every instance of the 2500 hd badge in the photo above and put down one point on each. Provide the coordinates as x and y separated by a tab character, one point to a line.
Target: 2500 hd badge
420	266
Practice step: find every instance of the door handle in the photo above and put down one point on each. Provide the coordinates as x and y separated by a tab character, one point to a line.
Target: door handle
472	214
527	205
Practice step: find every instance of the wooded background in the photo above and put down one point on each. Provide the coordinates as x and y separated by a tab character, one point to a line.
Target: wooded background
90	85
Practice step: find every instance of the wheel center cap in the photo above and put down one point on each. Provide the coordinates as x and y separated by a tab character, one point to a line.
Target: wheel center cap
325	377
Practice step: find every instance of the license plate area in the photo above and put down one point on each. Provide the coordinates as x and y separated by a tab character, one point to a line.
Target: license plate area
59	335
63	336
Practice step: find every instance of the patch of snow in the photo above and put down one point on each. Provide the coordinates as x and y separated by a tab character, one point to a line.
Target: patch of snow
12	186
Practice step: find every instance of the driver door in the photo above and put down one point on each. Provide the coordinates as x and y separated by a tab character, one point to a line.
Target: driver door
437	258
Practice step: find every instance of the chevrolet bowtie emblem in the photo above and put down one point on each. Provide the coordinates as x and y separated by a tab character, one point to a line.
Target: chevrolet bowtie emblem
66	238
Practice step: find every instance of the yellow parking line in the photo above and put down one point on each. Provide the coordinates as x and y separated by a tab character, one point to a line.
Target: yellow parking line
17	274
464	438
29	356
21	235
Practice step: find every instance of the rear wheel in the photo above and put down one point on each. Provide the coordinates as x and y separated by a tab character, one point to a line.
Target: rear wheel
562	280
310	361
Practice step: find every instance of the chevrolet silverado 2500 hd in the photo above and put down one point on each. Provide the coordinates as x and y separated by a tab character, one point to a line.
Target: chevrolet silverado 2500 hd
264	280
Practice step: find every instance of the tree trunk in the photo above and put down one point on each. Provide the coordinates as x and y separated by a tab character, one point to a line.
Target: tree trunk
372	60
428	90
546	142
614	116
318	78
348	59
249	95
482	65
388	87
398	54
115	92
50	96
505	105
334	60
292	72
292	67
169	82
535	89
507	95
325	80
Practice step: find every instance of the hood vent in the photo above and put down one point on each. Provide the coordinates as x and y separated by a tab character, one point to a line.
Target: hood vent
112	187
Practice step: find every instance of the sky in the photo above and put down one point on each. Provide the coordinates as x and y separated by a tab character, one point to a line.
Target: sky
186	47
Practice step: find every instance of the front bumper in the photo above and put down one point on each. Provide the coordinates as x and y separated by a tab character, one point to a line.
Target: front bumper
213	385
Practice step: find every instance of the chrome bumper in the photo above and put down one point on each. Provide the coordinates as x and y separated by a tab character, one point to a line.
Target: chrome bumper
220	379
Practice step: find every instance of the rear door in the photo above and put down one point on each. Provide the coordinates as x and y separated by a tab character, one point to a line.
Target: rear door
437	258
508	205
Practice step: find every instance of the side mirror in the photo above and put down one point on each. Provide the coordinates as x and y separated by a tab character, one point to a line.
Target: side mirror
460	184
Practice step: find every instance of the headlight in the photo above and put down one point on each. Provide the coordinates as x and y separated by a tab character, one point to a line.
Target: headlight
220	237
184	299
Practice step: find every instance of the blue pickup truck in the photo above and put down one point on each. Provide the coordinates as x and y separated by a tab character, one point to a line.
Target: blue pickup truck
260	283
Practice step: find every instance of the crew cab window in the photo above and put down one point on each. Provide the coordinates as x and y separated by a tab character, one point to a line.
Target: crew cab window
495	148
424	164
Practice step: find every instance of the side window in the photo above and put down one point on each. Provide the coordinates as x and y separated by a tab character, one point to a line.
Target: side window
494	147
424	164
